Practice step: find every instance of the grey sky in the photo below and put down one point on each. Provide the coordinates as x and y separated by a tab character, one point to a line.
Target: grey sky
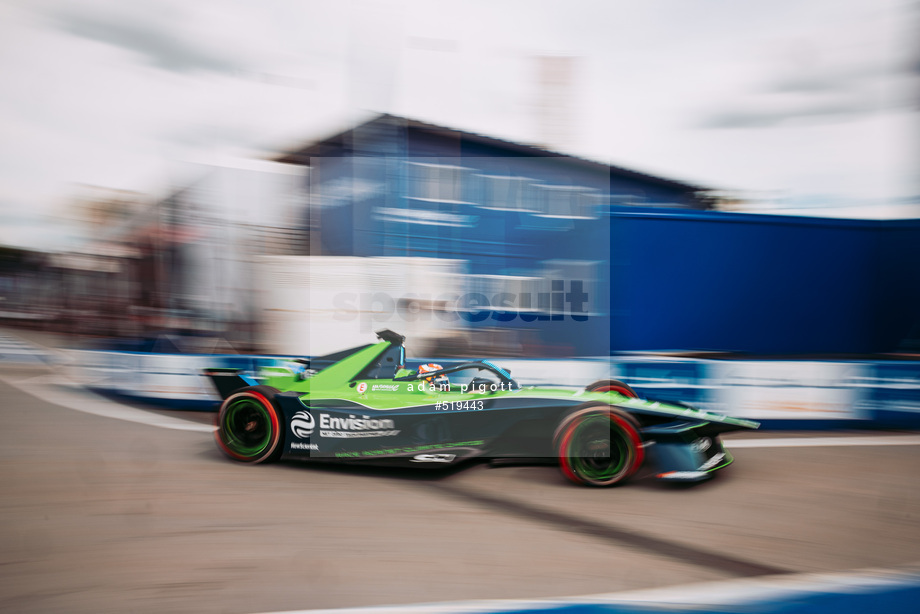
807	99
154	44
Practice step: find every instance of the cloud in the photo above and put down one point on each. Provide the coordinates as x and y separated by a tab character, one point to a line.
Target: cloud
815	93
859	64
159	46
764	117
844	76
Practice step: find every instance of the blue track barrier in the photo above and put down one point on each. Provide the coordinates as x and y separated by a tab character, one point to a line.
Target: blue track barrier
779	394
888	591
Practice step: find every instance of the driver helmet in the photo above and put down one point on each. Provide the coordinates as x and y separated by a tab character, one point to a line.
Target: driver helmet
437	380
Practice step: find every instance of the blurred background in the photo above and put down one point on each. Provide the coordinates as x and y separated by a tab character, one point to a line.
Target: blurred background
715	201
248	178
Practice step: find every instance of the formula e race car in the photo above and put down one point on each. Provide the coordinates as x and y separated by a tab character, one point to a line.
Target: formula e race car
364	405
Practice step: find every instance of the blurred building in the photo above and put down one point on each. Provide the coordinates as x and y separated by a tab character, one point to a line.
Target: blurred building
531	225
198	247
480	246
555	99
90	288
23	275
662	273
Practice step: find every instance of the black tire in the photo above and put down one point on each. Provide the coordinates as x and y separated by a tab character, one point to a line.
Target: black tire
250	428
615	385
598	445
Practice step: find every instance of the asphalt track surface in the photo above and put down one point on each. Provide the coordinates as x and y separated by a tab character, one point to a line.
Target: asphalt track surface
102	514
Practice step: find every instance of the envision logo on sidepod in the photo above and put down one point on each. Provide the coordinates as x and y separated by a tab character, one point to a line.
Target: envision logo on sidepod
302	424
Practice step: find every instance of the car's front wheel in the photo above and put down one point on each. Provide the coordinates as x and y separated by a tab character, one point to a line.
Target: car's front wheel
249	426
599	446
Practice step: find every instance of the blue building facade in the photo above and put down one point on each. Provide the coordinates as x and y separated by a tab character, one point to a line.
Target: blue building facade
659	271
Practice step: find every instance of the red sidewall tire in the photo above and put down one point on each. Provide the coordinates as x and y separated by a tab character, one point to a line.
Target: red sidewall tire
262	395
612	385
622	423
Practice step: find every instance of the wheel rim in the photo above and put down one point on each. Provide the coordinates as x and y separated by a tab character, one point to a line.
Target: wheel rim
247	427
597	451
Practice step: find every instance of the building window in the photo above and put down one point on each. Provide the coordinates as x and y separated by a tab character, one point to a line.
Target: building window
433	182
508	193
567	201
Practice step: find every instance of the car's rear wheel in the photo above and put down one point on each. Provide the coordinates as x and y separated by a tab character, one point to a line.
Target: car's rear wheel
599	446
612	385
249	426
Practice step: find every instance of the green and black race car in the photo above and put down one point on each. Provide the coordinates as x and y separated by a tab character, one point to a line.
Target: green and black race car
364	405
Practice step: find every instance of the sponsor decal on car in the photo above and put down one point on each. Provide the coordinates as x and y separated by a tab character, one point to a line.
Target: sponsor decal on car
355	426
410	449
362	387
712	462
302	424
433	458
298	445
386	387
